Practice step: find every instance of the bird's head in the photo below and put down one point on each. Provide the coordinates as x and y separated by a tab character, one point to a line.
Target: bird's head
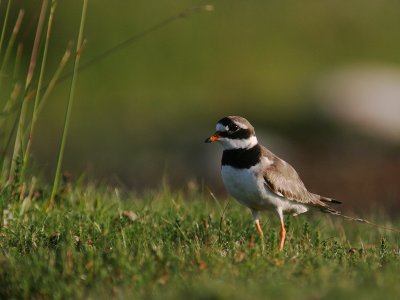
234	132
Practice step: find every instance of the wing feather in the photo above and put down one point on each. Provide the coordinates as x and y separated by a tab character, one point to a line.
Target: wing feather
281	178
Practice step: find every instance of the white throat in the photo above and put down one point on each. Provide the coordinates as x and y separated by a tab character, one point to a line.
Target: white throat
229	144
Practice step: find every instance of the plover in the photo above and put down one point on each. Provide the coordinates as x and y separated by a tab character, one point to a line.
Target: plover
260	180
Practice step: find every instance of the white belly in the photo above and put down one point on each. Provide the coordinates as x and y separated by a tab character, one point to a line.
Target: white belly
245	187
251	191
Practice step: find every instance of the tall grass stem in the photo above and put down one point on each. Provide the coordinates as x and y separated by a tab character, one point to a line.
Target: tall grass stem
3	31
32	65
54	79
69	106
10	44
13	97
39	86
36	43
18	58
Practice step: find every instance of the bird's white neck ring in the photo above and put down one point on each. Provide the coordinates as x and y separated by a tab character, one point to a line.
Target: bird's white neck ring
229	144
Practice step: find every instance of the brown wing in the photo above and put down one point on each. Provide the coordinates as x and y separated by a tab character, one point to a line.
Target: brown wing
281	178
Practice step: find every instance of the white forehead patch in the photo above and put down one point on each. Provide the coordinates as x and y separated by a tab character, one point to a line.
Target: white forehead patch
221	127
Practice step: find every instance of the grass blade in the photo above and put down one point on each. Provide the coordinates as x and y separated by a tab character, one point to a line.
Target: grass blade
3	31
37	96
69	106
32	65
13	97
17	63
36	43
54	79
7	54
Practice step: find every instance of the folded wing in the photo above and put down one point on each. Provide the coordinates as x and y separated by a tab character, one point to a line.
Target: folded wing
282	179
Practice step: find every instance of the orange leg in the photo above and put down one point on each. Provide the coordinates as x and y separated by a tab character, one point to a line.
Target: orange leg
282	235
256	218
258	227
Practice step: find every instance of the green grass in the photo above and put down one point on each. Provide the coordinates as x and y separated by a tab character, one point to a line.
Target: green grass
178	248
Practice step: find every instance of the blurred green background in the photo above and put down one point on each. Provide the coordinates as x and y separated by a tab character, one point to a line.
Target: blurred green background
318	79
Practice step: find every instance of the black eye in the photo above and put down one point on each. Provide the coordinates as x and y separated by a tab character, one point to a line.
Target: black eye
233	127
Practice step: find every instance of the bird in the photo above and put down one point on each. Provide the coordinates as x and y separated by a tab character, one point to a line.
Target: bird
260	180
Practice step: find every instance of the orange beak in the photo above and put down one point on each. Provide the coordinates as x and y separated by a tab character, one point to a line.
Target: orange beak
213	138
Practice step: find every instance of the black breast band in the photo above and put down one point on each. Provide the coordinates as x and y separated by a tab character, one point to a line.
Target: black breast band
242	158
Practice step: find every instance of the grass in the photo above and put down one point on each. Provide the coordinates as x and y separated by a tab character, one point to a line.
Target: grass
25	111
69	105
98	244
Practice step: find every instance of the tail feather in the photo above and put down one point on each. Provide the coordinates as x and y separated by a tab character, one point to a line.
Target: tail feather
329	200
356	219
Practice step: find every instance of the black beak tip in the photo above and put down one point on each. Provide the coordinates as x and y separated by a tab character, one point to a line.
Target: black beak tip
208	140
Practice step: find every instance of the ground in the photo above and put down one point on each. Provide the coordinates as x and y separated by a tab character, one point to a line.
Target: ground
98	244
